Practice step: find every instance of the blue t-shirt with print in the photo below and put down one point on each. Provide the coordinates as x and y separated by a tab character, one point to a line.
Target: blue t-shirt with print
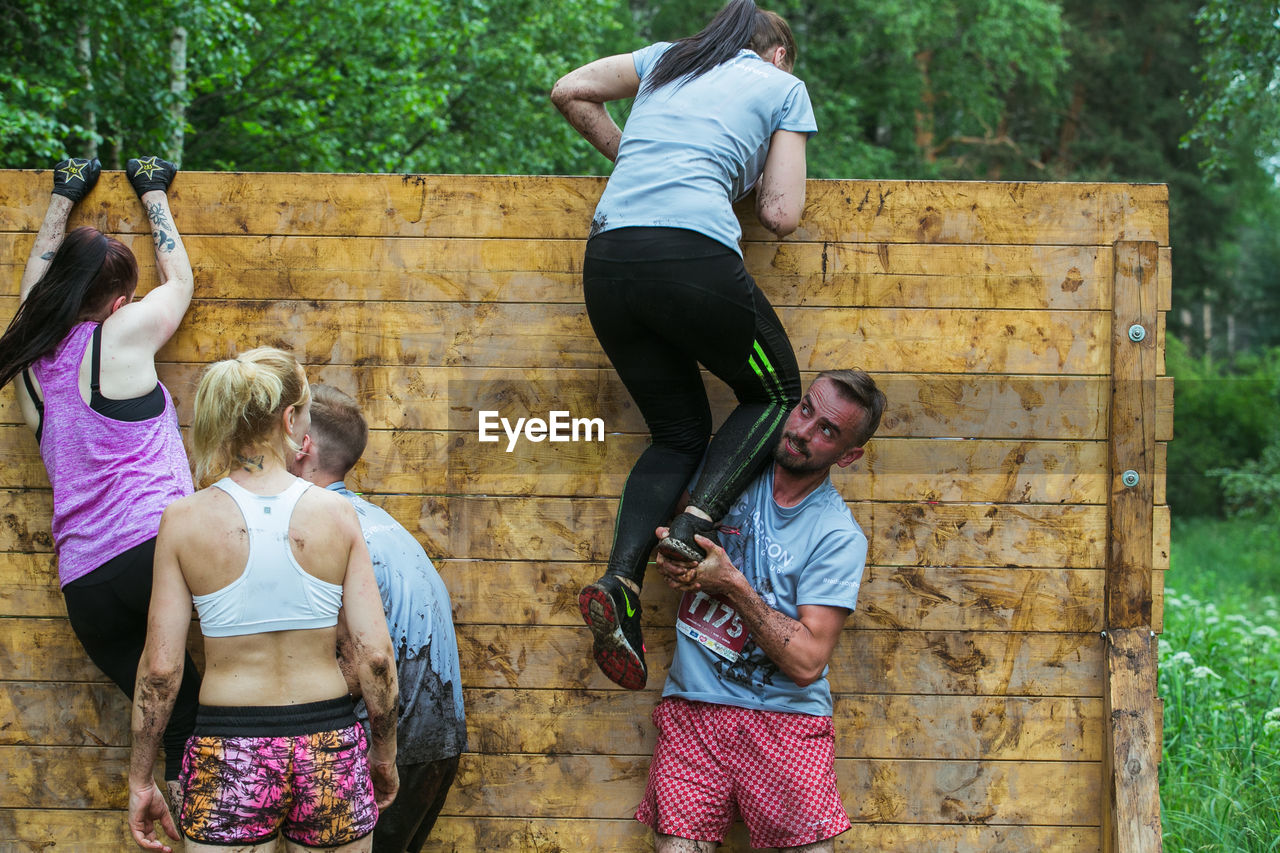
690	149
811	553
431	725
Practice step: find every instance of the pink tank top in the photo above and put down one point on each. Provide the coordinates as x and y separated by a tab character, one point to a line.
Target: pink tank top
111	479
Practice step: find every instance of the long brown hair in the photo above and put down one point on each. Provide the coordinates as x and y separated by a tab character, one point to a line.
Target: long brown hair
739	24
88	272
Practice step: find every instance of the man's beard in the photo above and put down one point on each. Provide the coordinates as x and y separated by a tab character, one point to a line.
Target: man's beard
802	464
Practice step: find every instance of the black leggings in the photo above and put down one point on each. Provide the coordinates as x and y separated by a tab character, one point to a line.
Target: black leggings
661	301
108	611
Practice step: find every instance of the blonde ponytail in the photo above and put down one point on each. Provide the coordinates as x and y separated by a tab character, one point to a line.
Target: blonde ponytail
238	407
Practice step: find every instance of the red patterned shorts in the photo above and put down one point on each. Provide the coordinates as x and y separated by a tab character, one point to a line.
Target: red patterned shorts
298	770
713	763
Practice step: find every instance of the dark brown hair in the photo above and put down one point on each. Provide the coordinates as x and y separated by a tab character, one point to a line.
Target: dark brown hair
88	272
739	24
857	386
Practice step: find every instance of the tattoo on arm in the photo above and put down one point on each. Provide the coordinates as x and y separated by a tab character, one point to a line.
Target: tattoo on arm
250	463
47	256
159	228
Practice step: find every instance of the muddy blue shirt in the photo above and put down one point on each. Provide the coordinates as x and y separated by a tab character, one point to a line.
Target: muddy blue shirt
431	724
811	553
689	150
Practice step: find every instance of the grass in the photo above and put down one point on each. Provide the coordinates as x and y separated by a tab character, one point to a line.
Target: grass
1220	682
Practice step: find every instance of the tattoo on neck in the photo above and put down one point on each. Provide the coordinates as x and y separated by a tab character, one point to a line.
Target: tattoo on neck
250	463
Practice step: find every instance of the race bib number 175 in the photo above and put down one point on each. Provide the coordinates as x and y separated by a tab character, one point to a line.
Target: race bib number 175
710	620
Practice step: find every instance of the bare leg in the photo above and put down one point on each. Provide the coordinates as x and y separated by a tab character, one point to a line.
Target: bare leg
672	844
825	846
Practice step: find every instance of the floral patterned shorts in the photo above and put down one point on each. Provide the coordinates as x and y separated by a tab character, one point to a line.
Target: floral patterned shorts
300	770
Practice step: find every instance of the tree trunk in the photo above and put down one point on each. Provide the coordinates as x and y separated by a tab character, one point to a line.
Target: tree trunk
177	86
84	56
924	114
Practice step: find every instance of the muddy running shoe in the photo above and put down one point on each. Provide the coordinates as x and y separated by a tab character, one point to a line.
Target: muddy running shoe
74	177
680	542
612	612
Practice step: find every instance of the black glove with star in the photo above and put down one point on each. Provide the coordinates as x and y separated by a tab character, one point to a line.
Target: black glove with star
150	173
74	177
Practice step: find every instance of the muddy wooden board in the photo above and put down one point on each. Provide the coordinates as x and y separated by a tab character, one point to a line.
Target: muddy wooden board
970	684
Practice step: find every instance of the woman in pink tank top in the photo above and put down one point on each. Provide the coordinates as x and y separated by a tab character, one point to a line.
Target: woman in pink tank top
81	352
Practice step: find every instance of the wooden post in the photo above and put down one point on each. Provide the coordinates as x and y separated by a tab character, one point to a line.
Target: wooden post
1131	819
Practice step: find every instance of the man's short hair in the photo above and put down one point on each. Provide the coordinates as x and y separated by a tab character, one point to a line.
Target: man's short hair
338	428
857	386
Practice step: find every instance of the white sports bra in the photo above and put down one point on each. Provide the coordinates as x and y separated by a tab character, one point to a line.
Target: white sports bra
274	593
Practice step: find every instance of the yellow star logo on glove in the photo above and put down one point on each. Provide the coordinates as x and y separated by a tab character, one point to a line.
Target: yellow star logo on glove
149	167
74	169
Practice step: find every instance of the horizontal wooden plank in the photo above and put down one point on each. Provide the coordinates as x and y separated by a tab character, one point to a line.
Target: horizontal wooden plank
523	528
920	405
885	790
509	335
545	593
542	835
970	663
51	713
939	727
894	597
59	829
41	713
608	787
30	584
909	534
560	208
897	662
429	462
892	469
36	830
418	269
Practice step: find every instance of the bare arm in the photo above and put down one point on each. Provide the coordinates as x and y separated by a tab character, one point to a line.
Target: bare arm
780	195
581	95
48	239
73	178
151	321
372	658
159	676
801	647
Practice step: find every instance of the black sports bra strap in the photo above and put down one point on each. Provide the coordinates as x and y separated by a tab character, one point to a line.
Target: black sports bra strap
95	366
31	390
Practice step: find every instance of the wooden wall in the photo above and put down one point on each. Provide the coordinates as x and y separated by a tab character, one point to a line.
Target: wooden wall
978	704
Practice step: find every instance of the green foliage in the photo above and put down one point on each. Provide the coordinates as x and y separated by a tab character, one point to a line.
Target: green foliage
1239	98
1220	684
1224	417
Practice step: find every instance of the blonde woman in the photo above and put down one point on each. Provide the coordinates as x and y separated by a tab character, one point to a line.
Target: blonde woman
268	561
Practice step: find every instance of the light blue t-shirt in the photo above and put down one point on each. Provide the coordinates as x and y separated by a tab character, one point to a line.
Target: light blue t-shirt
811	553
431	724
689	150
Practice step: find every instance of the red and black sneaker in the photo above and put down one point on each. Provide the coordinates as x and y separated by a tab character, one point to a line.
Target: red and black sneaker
612	612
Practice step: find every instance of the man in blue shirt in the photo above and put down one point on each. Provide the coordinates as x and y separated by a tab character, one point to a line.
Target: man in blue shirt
744	725
432	728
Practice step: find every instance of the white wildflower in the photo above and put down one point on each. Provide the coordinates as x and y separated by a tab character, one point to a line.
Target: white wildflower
1204	672
1183	657
1265	631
